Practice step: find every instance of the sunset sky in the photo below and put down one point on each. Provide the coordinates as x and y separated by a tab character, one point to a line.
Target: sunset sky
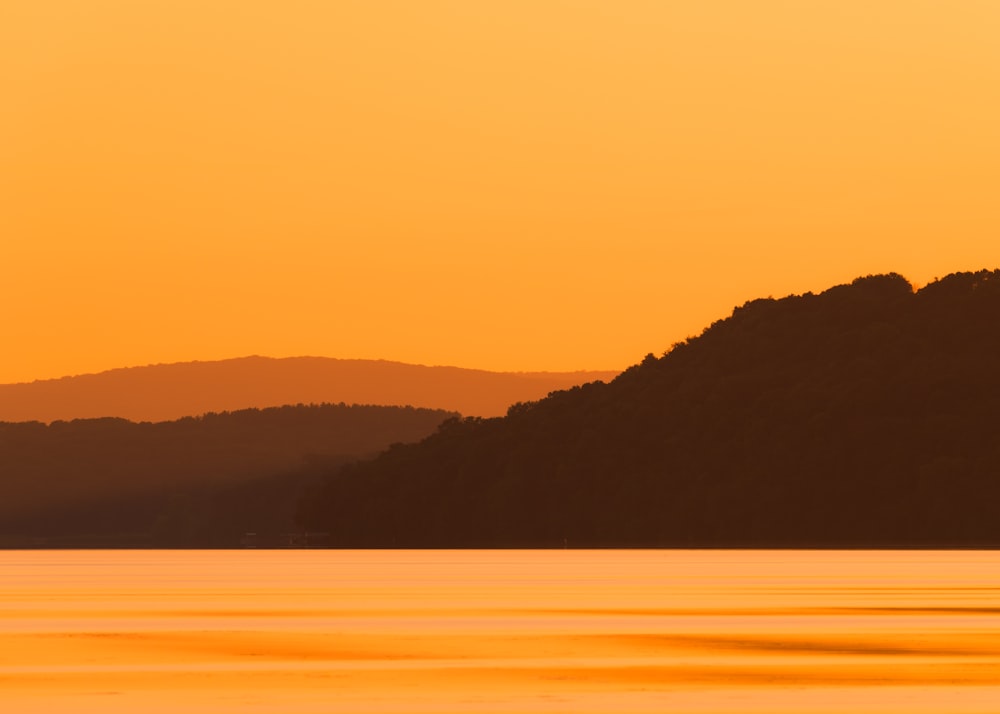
515	185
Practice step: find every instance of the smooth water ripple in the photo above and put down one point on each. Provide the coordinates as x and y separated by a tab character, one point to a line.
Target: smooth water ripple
500	631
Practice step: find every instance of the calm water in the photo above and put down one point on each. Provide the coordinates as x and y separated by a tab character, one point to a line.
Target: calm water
499	631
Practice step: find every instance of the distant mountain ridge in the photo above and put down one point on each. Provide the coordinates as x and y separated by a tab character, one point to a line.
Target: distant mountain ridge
171	391
864	416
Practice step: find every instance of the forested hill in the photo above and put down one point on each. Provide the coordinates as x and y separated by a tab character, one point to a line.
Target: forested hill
867	415
197	481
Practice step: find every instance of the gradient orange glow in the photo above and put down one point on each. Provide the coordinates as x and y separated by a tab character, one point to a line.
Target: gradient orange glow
517	185
589	632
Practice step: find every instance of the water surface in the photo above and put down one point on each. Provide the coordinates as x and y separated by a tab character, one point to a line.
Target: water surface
500	631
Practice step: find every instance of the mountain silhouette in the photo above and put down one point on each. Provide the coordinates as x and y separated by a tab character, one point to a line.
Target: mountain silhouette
198	481
172	391
864	416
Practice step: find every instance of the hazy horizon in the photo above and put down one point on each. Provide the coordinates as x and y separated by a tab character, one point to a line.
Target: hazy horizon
235	358
172	391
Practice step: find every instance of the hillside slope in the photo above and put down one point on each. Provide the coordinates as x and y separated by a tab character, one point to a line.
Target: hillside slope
173	391
194	482
868	415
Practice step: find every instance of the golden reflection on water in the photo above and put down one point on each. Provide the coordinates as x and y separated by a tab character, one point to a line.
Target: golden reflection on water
499	631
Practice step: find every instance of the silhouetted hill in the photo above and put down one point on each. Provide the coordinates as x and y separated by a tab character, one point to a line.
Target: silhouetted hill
193	482
172	391
868	415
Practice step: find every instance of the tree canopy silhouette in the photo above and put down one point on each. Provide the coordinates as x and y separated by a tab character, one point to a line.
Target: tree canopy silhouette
865	415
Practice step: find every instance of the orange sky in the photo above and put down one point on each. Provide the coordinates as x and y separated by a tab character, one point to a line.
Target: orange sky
526	184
